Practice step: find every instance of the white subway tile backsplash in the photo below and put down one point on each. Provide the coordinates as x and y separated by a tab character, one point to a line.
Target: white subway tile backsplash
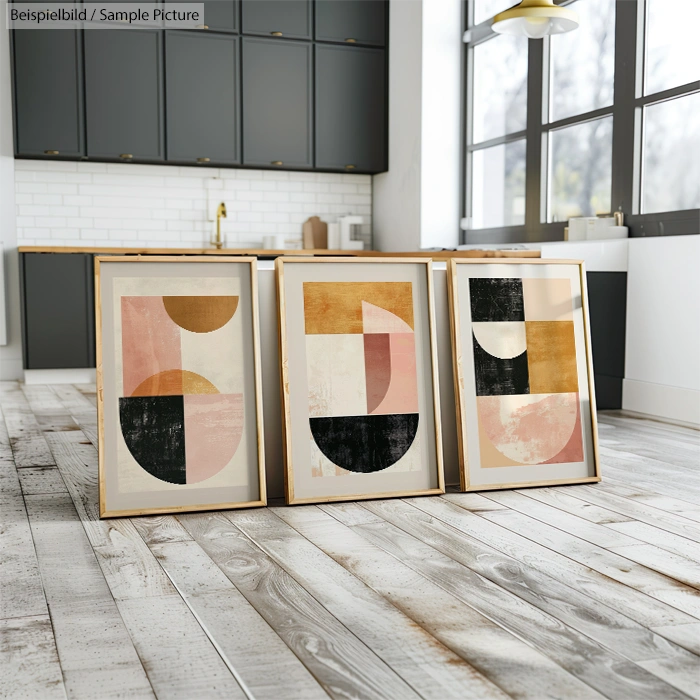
126	204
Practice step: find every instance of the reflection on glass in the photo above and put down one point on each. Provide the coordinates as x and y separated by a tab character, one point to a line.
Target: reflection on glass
485	9
500	87
580	168
673	57
498	186
583	62
671	156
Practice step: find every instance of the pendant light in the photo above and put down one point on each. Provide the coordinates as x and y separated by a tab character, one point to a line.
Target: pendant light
535	19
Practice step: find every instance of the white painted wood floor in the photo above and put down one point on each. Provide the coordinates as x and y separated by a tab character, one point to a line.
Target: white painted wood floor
570	592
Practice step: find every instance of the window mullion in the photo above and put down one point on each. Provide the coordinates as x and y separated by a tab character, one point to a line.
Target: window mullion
626	142
533	152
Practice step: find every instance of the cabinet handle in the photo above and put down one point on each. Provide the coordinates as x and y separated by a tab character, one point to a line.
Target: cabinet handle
51	153
276	33
126	156
202	26
276	162
349	167
351	41
203	160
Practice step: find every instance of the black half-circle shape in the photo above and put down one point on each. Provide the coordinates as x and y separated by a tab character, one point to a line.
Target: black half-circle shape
365	444
498	377
154	431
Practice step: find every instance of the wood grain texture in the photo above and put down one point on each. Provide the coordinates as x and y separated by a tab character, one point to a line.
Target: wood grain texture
158	529
128	565
26	438
29	661
179	658
36	480
73	400
605	670
634	604
94	647
513	665
338	660
431	669
223	611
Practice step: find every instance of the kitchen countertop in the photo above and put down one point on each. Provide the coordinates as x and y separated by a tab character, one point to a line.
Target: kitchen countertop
255	252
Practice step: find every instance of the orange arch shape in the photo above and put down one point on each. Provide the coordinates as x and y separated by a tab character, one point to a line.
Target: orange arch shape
175	382
201	314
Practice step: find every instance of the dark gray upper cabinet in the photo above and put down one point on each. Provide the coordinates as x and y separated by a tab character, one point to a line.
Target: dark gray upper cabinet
286	18
202	97
352	21
277	103
350	109
221	15
124	94
58	308
48	88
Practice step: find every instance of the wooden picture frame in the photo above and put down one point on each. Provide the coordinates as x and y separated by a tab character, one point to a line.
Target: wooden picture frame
338	320
225	452
490	388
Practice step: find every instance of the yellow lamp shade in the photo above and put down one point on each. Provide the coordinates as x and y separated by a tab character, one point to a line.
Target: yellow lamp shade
535	19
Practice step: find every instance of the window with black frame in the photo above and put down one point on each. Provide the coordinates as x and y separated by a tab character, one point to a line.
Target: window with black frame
601	119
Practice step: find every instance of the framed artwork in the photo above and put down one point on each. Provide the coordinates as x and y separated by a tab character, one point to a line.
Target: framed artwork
523	373
359	379
178	384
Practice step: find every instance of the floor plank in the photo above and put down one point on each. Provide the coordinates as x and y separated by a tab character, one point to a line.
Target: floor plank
345	667
431	669
94	647
26	438
35	480
604	670
629	601
72	399
515	666
29	662
223	612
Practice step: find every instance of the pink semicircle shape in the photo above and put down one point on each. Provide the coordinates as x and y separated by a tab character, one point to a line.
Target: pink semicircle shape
213	431
530	429
378	320
573	451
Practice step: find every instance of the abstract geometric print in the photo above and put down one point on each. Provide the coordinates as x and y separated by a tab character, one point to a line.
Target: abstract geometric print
525	371
177	424
361	371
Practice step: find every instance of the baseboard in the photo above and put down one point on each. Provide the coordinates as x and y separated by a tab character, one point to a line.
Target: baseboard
668	402
60	376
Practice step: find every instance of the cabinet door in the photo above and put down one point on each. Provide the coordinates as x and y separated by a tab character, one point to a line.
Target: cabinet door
48	86
288	18
58	310
350	109
352	21
202	97
277	108
124	93
221	15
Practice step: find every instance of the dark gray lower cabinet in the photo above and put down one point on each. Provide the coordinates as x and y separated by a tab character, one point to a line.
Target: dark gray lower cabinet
58	320
48	82
124	94
351	21
202	78
282	18
607	303
350	108
277	103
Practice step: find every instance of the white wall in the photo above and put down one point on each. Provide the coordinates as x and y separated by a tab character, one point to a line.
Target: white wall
125	204
662	355
10	354
416	203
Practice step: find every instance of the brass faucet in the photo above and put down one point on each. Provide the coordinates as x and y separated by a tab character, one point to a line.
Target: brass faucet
220	211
